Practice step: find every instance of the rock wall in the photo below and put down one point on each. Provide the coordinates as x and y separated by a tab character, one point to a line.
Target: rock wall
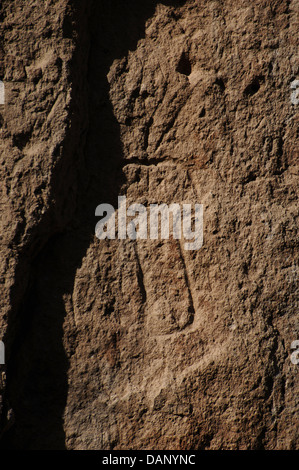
142	344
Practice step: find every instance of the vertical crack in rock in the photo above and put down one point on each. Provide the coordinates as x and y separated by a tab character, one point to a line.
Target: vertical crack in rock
140	276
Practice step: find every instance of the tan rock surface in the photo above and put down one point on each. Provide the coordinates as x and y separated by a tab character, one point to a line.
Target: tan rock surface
121	344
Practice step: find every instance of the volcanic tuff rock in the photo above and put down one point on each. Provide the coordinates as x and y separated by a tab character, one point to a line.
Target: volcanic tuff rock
121	344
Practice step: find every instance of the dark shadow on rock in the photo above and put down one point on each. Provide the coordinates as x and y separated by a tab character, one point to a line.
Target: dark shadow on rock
37	368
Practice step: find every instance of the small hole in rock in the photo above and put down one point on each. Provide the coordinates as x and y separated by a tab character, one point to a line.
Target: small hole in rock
184	65
253	87
20	140
144	94
220	83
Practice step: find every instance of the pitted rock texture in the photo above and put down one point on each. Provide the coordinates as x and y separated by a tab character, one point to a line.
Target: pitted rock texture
122	344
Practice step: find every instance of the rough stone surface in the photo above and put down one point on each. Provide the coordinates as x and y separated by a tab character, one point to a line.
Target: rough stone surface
121	344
